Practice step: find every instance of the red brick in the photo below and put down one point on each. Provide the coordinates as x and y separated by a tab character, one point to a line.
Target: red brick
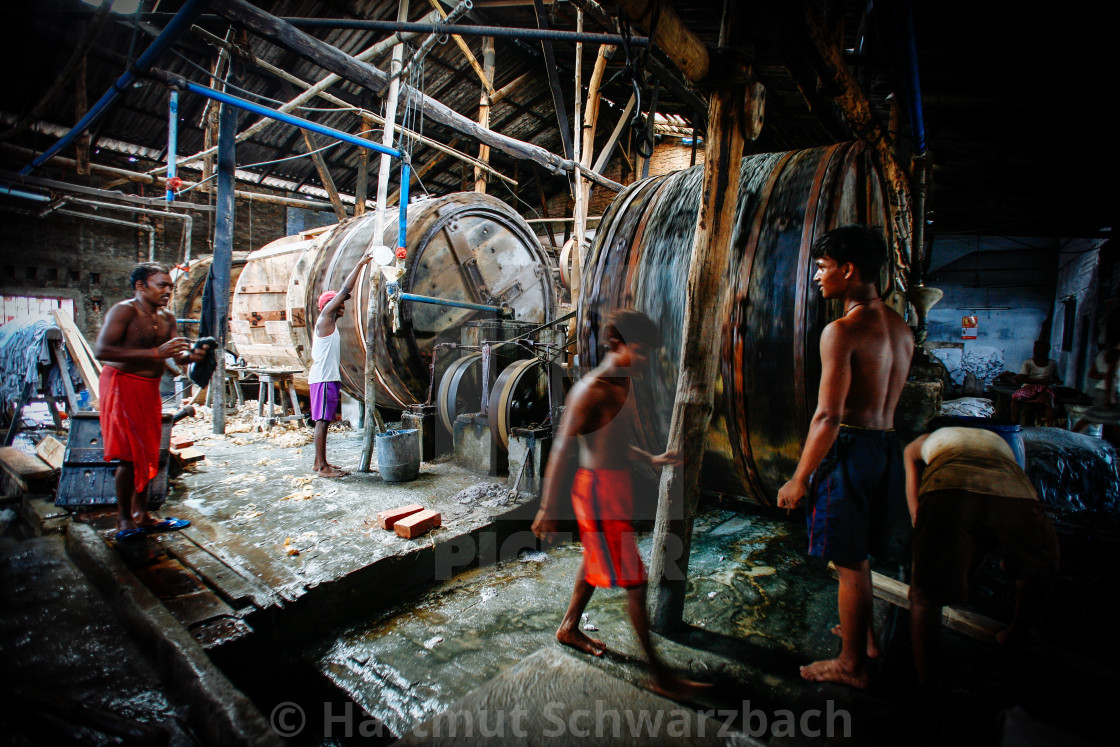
418	523
178	442
386	519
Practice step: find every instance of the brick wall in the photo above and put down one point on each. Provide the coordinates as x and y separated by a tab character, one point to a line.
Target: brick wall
89	261
668	156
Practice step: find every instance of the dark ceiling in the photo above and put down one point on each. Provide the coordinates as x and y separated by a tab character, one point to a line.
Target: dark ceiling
1014	123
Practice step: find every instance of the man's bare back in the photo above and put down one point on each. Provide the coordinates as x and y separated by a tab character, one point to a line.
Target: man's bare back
880	345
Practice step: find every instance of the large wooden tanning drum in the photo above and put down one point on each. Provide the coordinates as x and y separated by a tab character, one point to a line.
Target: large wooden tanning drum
464	247
771	315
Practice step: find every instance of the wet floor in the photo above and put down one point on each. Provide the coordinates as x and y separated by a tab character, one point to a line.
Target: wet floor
71	673
749	582
261	492
756	606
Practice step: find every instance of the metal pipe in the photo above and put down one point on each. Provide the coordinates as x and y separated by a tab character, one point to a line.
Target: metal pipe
104	219
502	32
188	221
174	29
57	186
264	111
448	302
402	221
456	13
222	261
6	189
172	139
913	83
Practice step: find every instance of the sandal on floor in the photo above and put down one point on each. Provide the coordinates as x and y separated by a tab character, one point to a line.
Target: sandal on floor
130	535
170	524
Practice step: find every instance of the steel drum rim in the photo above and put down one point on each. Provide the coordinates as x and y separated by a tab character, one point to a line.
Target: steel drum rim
499	424
456	370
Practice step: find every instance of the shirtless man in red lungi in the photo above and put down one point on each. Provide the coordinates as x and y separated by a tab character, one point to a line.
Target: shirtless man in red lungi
598	425
138	336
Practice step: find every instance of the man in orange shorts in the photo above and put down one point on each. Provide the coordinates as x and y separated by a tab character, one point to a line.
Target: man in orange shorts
138	336
598	427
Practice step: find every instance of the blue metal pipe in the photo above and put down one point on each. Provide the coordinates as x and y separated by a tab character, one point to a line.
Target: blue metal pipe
446	302
402	227
264	111
7	189
917	120
172	139
174	29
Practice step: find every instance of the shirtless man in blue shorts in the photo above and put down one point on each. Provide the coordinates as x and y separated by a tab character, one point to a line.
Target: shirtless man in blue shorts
851	468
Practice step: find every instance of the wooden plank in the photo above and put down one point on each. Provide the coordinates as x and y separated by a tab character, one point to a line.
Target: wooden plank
484	110
898	593
64	375
672	37
237	589
51	451
186	456
487	82
24	466
80	352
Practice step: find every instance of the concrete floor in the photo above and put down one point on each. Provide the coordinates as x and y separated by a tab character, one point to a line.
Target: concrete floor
71	672
406	629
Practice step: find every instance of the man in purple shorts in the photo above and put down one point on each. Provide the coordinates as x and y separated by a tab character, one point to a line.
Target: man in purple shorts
324	376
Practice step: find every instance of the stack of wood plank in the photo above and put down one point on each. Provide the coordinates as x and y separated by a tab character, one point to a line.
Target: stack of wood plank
80	352
25	473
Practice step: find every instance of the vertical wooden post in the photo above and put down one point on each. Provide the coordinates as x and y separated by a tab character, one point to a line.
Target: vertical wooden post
372	307
692	410
578	208
590	122
480	177
223	254
361	184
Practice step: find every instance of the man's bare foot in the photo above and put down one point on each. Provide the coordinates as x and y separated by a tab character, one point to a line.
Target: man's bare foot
677	688
833	670
579	640
329	471
872	643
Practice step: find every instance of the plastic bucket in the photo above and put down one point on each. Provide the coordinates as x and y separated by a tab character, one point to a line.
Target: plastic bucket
1012	433
398	455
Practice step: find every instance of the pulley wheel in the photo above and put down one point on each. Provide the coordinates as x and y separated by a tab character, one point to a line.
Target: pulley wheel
460	389
519	399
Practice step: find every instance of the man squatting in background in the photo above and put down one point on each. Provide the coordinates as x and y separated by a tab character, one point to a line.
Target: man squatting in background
968	495
137	338
597	432
324	377
851	467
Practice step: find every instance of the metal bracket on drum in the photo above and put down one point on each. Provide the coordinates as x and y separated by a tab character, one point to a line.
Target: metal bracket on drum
468	263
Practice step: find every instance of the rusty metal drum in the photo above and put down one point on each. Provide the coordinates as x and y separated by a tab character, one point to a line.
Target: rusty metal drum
771	317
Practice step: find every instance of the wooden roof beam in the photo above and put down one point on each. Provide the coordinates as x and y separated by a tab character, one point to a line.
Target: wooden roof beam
368	76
